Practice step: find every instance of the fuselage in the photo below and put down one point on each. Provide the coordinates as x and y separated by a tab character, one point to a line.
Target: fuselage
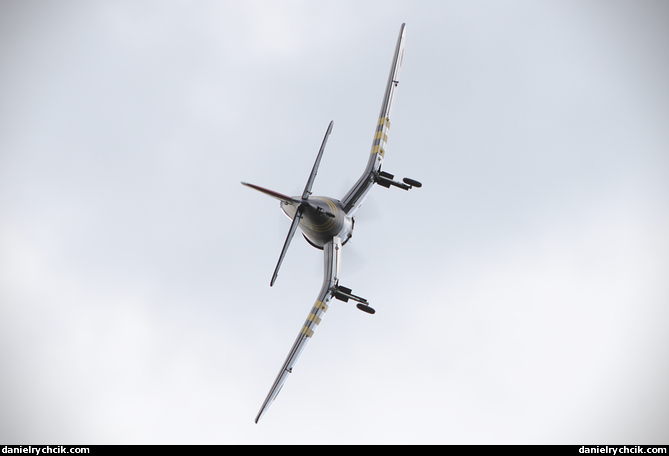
316	223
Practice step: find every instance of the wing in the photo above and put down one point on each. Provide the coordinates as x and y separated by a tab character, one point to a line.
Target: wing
332	253
357	194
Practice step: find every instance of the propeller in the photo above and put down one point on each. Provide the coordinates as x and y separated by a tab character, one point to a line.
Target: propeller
303	203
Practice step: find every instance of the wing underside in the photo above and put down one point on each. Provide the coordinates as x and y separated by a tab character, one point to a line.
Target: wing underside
357	194
332	255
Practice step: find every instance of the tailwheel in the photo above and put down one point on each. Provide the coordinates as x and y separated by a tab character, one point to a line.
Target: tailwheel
365	308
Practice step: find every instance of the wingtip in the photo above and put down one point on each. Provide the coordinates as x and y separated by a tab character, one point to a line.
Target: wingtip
260	414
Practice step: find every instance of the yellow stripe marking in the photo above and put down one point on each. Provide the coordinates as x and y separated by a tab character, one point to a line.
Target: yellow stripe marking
381	135
384	120
378	149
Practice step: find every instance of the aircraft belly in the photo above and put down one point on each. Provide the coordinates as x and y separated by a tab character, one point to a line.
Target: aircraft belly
321	233
318	227
316	239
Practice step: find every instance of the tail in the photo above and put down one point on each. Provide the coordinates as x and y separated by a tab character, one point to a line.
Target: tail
304	201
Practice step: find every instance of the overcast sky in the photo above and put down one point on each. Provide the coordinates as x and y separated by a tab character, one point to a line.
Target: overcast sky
522	294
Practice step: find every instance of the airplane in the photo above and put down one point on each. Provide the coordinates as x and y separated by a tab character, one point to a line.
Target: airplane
327	223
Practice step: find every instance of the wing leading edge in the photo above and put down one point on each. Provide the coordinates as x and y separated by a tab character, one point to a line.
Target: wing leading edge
355	197
332	255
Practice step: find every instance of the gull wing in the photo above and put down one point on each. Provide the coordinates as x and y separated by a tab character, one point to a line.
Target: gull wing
357	194
332	255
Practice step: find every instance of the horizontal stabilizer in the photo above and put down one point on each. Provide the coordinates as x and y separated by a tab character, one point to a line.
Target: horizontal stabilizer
291	233
273	194
314	170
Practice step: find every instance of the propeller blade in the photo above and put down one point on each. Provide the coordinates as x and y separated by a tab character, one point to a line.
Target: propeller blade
310	182
291	233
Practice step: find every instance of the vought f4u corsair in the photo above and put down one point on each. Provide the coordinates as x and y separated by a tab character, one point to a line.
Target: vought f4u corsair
327	223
